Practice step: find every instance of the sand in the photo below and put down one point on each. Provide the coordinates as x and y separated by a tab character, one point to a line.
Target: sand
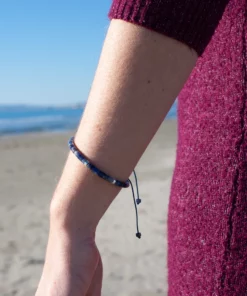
30	168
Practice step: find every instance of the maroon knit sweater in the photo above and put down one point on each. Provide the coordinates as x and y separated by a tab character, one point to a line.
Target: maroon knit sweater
191	21
207	221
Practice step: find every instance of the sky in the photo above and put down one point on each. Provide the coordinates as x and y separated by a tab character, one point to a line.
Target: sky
49	49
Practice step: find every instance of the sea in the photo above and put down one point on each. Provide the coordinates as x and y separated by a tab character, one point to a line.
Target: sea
20	119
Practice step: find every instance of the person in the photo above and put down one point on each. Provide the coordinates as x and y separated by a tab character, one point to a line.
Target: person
151	49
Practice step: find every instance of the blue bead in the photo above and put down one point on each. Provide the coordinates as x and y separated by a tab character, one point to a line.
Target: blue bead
138	201
138	234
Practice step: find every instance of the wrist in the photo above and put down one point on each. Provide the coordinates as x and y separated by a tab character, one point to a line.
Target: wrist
80	199
67	218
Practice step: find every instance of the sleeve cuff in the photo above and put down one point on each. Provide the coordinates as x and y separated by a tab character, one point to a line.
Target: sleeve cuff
192	22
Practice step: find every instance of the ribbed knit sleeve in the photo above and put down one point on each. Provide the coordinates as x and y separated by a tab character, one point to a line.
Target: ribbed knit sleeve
192	22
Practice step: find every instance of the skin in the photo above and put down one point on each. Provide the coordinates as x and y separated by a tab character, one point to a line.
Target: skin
139	75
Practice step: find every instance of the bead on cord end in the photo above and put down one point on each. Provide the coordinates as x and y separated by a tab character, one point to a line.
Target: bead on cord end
138	200
139	235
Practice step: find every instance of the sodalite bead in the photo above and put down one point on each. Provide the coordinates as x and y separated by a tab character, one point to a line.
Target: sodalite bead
77	154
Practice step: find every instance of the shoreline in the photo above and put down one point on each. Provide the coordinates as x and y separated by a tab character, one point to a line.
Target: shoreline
55	131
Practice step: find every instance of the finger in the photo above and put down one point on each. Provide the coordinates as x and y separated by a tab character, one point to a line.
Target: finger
96	284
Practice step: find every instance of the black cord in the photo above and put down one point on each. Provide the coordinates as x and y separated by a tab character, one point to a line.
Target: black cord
138	200
138	234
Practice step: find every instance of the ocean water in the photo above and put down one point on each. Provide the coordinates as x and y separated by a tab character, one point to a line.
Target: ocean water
25	119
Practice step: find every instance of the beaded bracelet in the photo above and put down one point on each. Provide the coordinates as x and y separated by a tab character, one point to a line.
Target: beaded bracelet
108	178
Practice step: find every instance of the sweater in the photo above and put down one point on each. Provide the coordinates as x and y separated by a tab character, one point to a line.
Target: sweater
207	218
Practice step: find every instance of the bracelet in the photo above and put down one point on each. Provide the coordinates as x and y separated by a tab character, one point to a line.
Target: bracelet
108	178
93	168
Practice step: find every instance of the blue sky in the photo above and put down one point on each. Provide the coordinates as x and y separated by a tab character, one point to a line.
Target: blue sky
49	49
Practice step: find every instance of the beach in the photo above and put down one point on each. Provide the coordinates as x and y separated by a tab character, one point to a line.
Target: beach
31	165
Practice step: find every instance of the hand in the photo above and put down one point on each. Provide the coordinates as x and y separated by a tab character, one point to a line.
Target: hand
73	267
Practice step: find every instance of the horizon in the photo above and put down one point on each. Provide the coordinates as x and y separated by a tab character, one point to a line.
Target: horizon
62	105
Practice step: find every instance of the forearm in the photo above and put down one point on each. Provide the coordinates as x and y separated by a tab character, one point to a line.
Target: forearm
139	75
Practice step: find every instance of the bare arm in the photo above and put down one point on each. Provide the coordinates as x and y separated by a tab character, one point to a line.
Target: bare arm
139	75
